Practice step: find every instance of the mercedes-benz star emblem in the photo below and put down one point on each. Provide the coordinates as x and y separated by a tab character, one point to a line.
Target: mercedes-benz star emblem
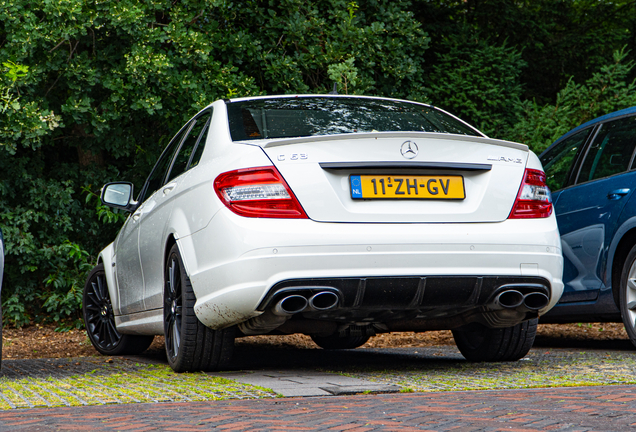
409	149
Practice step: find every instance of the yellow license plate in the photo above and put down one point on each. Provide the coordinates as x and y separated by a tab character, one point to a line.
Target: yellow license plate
407	187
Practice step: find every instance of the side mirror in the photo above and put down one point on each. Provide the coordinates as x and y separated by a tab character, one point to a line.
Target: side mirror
118	195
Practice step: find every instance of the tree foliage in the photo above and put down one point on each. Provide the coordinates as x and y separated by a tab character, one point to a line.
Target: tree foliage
479	83
606	91
557	39
91	92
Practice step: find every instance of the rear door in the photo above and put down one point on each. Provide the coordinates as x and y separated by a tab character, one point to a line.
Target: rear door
130	276
587	213
153	231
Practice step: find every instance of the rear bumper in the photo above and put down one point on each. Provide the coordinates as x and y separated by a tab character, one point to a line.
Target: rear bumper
421	302
234	263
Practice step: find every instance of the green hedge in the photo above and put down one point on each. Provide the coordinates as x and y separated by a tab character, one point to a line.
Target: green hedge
92	91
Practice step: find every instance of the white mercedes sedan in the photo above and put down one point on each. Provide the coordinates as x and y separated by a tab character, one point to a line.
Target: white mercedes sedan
339	217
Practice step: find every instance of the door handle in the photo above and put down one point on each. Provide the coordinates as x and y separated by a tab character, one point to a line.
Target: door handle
618	194
168	188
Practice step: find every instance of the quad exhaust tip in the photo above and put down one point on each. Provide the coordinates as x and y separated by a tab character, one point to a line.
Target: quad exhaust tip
296	303
509	299
535	301
291	305
512	299
324	300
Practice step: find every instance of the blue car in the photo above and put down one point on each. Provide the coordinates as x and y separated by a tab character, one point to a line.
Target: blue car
591	172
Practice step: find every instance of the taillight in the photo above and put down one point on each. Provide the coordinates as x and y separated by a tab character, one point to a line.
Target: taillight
258	192
534	199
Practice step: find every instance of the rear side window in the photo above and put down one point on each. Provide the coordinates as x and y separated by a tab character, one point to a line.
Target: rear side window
198	150
557	161
314	116
189	145
611	152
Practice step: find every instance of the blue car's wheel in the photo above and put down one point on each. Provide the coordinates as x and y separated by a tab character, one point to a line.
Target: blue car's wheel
627	295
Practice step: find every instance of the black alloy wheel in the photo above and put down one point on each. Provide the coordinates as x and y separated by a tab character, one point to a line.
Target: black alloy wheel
190	345
99	319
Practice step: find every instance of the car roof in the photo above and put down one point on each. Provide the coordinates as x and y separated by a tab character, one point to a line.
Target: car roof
610	116
319	95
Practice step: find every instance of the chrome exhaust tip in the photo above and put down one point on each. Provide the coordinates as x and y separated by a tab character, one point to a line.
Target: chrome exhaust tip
509	299
290	305
324	300
535	301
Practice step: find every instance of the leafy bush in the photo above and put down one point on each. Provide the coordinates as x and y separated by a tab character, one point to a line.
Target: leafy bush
480	83
93	91
606	91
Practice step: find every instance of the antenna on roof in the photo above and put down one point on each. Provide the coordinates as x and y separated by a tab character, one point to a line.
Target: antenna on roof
335	89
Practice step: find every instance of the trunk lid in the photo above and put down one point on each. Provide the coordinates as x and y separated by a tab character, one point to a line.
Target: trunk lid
319	171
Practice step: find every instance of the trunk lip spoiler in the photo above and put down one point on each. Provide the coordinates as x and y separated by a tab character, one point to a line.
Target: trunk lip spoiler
275	142
406	165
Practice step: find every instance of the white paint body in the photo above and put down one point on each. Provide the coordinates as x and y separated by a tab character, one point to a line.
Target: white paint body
232	261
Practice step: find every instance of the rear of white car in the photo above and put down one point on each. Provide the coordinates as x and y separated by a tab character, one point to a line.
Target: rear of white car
344	217
434	257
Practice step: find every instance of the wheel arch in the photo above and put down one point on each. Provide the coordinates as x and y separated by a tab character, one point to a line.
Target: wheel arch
624	240
184	247
107	258
170	241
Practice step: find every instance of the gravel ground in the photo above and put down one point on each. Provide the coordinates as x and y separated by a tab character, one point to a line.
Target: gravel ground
104	380
44	368
44	342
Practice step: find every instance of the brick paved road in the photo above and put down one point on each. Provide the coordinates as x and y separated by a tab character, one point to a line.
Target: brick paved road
604	408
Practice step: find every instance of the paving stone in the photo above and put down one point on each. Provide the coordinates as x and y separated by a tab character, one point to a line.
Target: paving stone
102	380
502	410
301	391
340	380
368	389
304	372
309	383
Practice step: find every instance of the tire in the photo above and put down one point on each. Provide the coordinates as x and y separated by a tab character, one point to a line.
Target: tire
190	346
99	319
479	343
336	342
627	295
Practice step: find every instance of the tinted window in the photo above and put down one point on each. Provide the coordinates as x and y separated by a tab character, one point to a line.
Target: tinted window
188	146
311	116
198	150
558	161
611	152
157	176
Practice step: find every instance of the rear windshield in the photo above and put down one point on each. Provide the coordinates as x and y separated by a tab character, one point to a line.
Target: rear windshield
313	116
